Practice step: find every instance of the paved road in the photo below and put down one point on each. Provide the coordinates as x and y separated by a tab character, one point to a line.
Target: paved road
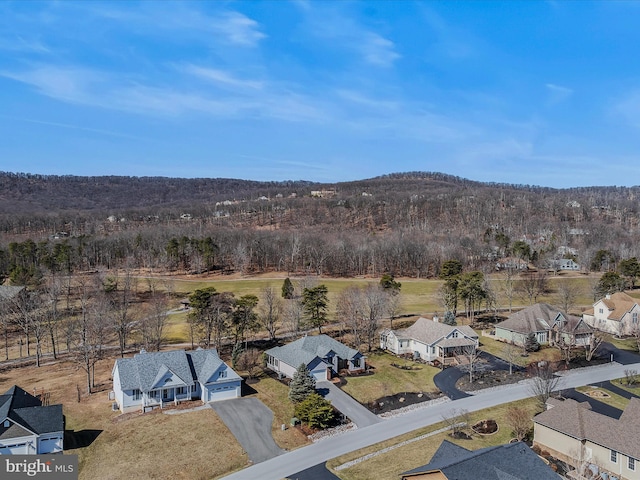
306	457
250	422
358	414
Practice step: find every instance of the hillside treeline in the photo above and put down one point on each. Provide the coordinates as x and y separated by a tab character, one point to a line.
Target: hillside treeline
404	224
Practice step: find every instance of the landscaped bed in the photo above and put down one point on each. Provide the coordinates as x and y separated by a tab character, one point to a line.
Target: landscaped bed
399	400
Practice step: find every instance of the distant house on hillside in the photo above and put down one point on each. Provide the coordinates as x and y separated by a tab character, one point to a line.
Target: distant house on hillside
28	427
322	355
150	380
430	340
512	263
616	314
514	461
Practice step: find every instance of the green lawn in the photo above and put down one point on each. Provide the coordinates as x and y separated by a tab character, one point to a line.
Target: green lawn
391	464
497	348
622	383
623	343
388	380
613	399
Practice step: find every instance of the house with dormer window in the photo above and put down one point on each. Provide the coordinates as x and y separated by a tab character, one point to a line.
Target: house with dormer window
618	314
151	380
27	426
431	340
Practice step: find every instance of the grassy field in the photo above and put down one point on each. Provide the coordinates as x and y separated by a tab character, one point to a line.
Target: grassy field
128	446
388	380
391	464
613	399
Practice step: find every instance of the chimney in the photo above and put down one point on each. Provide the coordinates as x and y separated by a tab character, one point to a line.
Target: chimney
608	297
436	319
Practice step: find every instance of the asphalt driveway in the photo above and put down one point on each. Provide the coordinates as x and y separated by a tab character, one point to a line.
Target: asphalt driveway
250	422
357	413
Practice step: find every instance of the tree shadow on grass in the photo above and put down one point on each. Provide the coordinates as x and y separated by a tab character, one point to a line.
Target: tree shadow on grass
80	439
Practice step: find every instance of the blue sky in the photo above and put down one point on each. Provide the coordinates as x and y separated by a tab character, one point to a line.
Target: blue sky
526	92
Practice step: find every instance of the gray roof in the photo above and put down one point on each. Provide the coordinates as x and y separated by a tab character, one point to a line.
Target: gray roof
7	292
307	349
148	371
28	413
515	461
578	421
536	318
429	331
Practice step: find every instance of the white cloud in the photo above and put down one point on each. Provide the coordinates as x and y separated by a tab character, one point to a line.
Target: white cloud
221	77
377	50
238	29
558	93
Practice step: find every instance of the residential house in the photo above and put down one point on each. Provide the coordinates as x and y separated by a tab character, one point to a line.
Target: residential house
616	314
513	461
564	264
574	433
9	292
430	340
547	324
323	356
150	380
512	263
27	426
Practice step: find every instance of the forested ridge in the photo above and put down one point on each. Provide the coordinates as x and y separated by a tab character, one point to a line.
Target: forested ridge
403	223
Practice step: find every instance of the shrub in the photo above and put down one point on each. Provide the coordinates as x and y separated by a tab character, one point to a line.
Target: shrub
315	411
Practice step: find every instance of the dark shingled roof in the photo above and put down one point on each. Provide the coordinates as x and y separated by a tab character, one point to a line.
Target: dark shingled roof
306	349
27	412
514	461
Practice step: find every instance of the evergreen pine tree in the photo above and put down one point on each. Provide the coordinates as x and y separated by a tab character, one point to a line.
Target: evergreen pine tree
235	354
302	385
449	319
287	289
531	343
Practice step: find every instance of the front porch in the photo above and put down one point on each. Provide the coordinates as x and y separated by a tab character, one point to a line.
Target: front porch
163	396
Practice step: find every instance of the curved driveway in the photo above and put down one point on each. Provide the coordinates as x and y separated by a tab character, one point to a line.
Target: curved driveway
250	422
305	457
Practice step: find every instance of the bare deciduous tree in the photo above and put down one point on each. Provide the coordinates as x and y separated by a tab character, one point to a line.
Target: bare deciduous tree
543	383
270	311
597	339
568	292
519	419
532	286
510	352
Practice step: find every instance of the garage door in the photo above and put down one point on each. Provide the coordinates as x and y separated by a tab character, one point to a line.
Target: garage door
222	393
50	445
320	373
19	449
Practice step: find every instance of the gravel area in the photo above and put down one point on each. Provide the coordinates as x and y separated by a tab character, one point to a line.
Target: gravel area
332	432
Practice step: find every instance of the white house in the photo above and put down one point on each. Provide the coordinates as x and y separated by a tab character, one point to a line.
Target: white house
430	340
616	314
322	355
27	426
150	380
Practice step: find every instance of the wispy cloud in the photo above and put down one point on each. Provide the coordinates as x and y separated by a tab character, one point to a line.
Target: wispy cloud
221	77
558	93
238	29
347	33
68	126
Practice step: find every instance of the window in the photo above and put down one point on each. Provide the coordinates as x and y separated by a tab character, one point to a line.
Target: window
136	394
223	374
356	362
165	394
614	456
600	310
193	387
634	317
7	424
632	463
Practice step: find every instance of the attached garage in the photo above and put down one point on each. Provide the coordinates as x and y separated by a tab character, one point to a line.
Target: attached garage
318	369
15	449
216	392
50	445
